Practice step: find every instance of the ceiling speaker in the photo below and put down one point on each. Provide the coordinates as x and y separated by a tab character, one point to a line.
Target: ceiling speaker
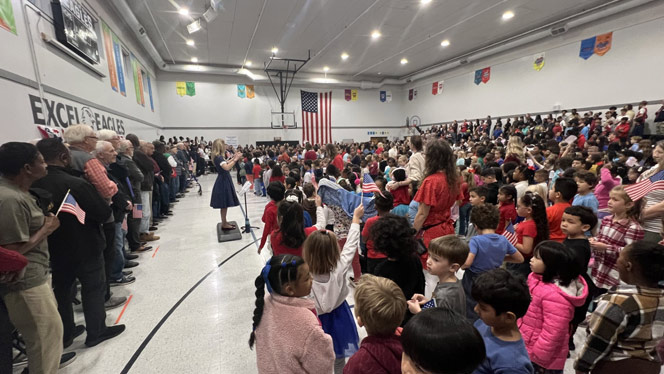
463	61
559	30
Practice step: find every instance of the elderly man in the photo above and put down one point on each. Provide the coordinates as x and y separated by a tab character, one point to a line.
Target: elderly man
82	141
125	151
77	249
107	155
183	157
30	302
143	161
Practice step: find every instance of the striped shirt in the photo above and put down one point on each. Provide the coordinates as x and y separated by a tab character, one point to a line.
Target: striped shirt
617	235
654	197
628	323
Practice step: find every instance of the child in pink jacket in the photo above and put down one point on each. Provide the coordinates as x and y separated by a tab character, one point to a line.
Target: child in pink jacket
556	288
288	335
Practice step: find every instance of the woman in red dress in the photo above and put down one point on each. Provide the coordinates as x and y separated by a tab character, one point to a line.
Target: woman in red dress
437	194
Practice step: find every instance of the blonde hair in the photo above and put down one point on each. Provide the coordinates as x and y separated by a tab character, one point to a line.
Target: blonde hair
634	212
218	148
380	304
469	178
321	252
515	147
451	248
77	133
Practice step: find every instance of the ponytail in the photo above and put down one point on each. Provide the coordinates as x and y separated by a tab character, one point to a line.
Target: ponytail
258	312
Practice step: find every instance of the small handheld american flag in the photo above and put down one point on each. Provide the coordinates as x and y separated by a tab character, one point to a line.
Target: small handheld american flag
510	234
429	304
137	211
368	185
639	190
69	205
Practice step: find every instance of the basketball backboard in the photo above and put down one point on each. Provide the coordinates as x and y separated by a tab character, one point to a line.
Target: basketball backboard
283	120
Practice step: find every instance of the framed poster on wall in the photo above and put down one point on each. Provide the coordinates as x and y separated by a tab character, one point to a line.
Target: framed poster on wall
75	27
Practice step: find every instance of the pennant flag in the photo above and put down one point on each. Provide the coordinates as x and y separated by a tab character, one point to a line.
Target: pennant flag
353	94
388	95
49	132
334	195
478	76
410	95
316	117
7	20
138	80
137	211
440	87
639	190
117	51
603	43
434	88
348	95
241	91
181	88
587	48
486	74
69	205
250	91
510	234
110	60
191	88
383	96
414	93
150	93
538	62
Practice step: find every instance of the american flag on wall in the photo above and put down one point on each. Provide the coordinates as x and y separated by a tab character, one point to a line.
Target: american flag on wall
316	117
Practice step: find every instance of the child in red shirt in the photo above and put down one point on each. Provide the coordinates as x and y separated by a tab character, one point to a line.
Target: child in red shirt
288	238
276	191
531	231
562	193
400	194
383	206
507	207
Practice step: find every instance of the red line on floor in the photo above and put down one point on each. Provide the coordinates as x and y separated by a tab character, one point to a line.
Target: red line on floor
123	309
155	252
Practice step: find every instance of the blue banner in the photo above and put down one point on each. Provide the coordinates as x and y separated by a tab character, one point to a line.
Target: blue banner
383	96
478	76
118	64
150	93
587	48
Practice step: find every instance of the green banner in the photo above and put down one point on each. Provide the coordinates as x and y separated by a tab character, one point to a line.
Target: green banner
191	88
7	21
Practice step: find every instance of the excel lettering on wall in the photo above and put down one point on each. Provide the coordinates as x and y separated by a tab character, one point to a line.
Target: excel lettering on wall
54	113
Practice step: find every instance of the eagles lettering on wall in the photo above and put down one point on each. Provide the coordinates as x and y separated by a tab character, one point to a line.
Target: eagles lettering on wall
52	113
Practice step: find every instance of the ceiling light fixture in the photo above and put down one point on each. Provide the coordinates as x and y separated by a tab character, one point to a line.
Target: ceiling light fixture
326	68
376	34
404	61
248	63
344	56
183	11
275	50
508	15
424	2
194	26
445	43
194	59
190	42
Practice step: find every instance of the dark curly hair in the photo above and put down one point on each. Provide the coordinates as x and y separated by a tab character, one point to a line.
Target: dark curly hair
392	235
650	260
485	216
440	156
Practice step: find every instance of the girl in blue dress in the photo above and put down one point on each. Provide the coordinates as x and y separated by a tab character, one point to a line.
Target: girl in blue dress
223	192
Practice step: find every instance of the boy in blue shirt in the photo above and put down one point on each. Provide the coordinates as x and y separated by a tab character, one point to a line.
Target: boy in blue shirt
502	298
585	181
488	250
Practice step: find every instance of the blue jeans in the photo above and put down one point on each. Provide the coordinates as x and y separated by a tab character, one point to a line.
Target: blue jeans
258	187
119	260
174	187
464	218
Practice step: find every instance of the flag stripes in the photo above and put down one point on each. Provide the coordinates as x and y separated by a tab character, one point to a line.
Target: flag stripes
316	117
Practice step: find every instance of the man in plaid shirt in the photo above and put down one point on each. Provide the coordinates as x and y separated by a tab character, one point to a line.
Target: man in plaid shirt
629	320
614	234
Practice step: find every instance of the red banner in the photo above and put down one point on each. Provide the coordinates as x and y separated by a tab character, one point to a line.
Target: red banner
486	74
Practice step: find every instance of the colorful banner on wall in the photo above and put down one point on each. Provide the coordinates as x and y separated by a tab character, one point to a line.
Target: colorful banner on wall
587	48
410	95
486	74
7	21
138	80
181	88
347	95
110	60
241	91
603	43
353	95
538	61
478	76
388	96
117	52
250	91
191	88
385	96
150	93
437	88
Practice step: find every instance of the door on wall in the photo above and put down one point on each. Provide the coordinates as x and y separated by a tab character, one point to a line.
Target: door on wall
378	139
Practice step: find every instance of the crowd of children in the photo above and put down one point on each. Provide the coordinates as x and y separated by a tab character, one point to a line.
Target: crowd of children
528	261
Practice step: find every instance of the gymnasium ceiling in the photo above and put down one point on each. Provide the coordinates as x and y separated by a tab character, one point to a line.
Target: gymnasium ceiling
409	29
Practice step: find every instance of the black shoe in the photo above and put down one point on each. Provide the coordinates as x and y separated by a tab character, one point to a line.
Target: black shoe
111	332
127	272
78	330
130	264
168	214
153	228
66	359
131	256
125	280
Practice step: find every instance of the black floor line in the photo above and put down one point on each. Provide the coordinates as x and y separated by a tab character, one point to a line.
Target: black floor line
152	333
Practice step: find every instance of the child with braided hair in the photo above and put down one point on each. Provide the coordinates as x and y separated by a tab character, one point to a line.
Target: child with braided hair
287	333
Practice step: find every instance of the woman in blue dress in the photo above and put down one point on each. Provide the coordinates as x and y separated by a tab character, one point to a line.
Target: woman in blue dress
223	192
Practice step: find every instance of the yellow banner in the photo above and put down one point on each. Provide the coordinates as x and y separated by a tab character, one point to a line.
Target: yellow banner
181	88
353	95
250	91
